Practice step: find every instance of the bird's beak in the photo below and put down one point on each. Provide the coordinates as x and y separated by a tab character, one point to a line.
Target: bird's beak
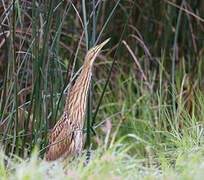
100	46
97	50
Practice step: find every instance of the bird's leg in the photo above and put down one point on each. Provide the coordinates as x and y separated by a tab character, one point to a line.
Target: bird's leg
66	167
77	160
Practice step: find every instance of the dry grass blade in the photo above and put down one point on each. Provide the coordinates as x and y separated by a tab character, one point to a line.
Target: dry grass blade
138	64
143	45
185	10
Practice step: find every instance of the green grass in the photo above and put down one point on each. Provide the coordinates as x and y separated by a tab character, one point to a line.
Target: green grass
147	95
114	163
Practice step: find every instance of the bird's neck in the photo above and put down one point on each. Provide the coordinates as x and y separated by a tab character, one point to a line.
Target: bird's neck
76	102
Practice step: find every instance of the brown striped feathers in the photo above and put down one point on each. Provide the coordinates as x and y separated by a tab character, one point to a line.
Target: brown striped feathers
65	139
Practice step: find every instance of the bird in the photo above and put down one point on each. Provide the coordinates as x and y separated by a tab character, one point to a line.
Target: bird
65	139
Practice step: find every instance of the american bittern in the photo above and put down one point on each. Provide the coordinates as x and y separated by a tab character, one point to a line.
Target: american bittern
66	137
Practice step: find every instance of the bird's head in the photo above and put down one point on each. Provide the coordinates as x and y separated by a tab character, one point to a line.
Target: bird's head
93	52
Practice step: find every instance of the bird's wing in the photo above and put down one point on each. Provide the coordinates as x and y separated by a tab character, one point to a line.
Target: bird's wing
57	129
59	140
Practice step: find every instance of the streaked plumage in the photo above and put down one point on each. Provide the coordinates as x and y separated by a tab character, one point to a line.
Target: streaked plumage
66	137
